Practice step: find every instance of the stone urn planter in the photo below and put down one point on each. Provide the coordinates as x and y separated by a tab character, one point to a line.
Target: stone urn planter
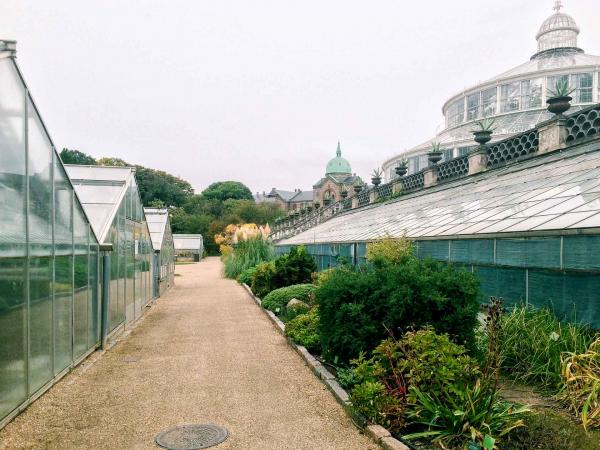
309	208
401	170
317	205
344	194
559	105
357	188
482	137
326	201
376	181
434	157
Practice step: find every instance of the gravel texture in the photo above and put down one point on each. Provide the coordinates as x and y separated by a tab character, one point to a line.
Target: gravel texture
204	353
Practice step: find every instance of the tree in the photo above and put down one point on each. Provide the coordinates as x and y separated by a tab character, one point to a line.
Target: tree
158	185
76	157
223	190
111	161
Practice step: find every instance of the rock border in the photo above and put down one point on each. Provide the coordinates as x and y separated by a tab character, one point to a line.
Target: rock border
377	433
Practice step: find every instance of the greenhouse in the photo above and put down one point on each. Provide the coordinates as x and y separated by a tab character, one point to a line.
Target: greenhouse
49	254
516	99
110	197
528	227
188	246
164	251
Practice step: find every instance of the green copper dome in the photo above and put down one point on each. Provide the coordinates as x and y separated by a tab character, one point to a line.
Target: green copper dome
338	164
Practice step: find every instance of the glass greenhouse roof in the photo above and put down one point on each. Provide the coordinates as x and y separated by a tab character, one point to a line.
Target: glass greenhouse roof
100	190
187	241
157	224
545	194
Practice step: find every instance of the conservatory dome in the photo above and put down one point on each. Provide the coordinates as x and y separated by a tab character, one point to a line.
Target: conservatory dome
558	31
516	98
338	165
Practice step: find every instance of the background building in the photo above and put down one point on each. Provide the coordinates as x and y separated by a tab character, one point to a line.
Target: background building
111	199
515	98
188	246
164	249
338	176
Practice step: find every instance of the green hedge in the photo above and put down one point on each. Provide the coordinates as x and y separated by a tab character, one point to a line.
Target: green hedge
358	309
277	300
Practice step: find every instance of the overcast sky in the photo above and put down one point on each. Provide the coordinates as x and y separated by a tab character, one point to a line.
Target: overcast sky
261	91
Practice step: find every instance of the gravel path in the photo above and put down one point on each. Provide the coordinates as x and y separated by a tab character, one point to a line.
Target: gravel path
203	353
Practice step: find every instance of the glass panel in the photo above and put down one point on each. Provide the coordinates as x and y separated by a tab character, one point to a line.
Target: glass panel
581	252
13	344
455	113
510	95
94	304
40	248
473	104
529	252
63	270
531	93
582	83
489	97
80	314
13	390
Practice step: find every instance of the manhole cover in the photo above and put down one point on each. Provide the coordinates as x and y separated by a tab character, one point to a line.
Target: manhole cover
192	437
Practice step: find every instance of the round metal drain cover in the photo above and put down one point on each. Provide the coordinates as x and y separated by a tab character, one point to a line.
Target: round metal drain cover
192	437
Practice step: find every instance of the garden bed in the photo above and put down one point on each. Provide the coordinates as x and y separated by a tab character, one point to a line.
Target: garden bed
379	434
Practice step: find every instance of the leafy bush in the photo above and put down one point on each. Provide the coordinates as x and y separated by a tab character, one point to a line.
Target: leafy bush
389	251
421	359
262	280
247	253
581	381
318	278
295	267
247	275
371	399
359	309
277	300
303	330
532	341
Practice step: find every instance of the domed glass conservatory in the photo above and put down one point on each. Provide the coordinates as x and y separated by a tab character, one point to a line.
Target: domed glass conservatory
516	99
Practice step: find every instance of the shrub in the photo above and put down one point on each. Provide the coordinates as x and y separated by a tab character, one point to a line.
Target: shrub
247	253
262	282
532	341
277	300
359	309
389	251
581	381
421	359
318	278
295	267
247	275
303	330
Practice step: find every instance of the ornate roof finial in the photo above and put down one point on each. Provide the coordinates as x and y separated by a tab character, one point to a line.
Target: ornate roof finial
338	152
557	6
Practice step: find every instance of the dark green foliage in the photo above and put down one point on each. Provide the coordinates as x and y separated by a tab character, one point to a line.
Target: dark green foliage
158	185
295	267
68	156
224	190
303	330
247	275
277	300
360	308
262	280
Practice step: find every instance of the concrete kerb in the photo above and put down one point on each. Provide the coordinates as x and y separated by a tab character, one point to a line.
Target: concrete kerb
376	432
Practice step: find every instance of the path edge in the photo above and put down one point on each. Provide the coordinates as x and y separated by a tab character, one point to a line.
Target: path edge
377	433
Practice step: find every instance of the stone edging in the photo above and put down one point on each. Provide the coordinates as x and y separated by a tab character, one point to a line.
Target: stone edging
376	432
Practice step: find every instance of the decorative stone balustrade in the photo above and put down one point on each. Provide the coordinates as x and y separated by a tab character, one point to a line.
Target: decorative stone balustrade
555	134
